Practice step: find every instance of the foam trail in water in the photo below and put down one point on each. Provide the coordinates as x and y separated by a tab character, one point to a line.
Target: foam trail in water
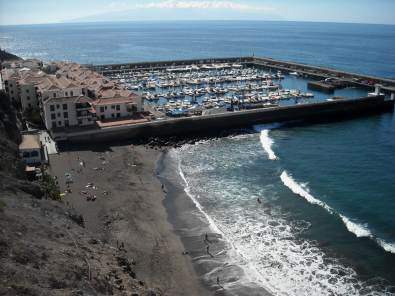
212	224
267	143
389	247
265	139
298	189
358	229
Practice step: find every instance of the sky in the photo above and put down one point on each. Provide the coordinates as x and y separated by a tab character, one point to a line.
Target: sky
13	12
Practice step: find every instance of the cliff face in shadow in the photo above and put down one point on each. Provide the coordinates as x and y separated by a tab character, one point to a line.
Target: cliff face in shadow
6	56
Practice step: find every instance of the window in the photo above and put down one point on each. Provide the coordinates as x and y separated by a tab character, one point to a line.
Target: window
64	106
66	123
118	107
28	98
34	154
26	154
112	115
89	119
65	114
52	108
53	116
102	117
57	106
53	123
118	115
112	107
79	121
29	105
67	94
59	123
54	95
27	91
58	114
101	109
105	107
12	92
71	93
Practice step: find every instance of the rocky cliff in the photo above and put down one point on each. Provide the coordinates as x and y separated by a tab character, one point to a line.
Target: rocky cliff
44	247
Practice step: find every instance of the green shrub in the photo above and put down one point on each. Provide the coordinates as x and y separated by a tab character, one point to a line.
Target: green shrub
50	188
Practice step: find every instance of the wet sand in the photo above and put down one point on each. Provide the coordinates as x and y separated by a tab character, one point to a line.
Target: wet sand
191	225
128	211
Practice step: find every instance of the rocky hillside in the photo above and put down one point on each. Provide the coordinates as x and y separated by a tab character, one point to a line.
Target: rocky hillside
5	56
44	247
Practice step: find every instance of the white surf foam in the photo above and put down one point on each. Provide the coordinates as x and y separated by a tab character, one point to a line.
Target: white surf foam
303	192
265	139
253	274
389	247
211	222
265	246
358	229
267	143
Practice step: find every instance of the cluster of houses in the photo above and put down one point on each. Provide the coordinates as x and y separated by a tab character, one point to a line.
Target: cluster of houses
67	95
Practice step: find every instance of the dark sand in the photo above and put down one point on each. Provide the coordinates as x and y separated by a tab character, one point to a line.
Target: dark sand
129	210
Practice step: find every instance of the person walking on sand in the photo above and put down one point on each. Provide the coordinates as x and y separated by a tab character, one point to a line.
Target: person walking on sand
208	250
259	200
206	240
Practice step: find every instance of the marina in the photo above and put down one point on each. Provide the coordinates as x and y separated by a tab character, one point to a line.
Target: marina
211	88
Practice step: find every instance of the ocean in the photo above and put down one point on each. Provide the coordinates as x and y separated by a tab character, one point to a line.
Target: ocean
295	208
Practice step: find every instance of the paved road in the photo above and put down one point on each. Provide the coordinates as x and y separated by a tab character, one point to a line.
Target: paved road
45	138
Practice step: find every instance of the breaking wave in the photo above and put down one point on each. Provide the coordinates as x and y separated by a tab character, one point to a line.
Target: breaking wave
265	139
359	230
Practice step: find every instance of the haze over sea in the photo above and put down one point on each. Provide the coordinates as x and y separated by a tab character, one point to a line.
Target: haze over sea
326	224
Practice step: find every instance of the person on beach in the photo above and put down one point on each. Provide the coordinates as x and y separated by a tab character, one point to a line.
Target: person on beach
259	200
206	240
208	250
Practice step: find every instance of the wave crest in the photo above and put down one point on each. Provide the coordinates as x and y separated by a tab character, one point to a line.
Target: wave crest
359	230
265	139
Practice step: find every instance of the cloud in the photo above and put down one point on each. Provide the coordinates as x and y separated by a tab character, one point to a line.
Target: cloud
176	4
186	4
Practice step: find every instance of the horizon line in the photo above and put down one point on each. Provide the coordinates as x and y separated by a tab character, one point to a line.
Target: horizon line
70	22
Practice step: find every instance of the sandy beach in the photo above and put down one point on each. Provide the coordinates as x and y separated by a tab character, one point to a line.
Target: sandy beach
121	200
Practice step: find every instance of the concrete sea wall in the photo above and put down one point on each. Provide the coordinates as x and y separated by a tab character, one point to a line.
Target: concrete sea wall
316	111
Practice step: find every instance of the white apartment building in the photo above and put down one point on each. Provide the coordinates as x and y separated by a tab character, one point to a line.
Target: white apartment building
64	112
28	96
10	78
115	108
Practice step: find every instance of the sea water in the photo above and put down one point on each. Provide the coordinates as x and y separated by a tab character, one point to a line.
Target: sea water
325	222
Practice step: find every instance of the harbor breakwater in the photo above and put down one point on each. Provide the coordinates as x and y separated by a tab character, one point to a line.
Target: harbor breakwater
311	71
338	109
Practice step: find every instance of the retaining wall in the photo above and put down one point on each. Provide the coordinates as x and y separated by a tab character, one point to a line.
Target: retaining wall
189	125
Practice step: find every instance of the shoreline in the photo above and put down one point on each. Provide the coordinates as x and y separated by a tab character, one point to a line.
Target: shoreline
191	225
128	211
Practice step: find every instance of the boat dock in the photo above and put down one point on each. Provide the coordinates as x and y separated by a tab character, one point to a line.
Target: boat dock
192	96
309	71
